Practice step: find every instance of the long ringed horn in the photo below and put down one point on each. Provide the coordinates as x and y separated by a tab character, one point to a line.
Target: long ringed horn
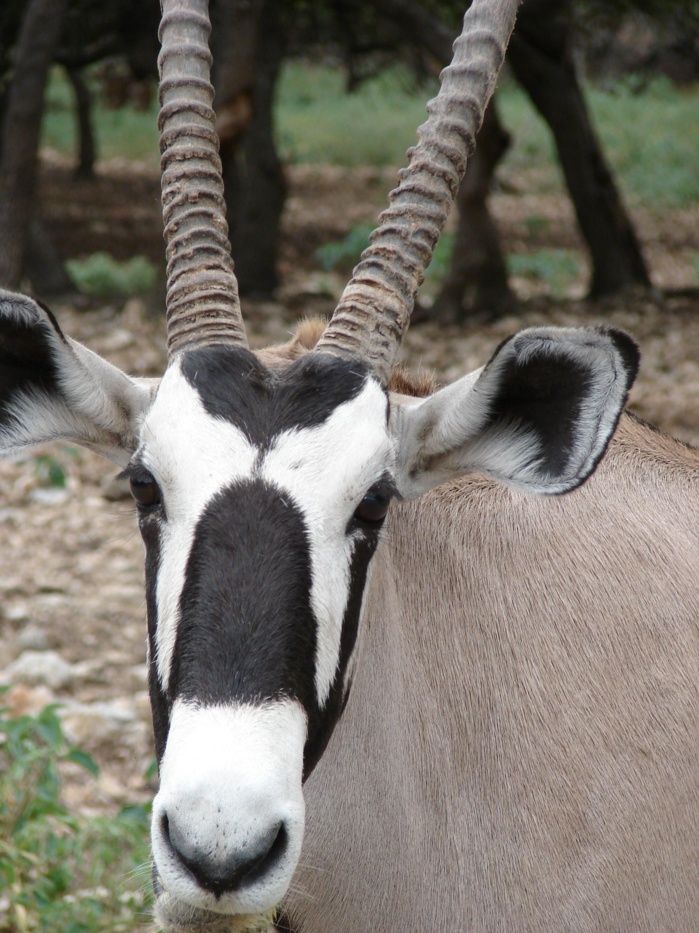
375	307
202	301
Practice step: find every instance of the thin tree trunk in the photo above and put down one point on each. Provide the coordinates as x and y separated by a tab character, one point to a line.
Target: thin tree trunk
34	53
255	186
540	57
86	137
44	267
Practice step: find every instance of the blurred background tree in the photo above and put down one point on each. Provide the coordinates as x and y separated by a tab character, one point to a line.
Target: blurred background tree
554	41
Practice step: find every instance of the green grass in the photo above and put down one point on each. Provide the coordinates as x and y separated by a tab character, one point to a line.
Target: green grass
317	121
104	277
558	268
650	138
654	138
62	873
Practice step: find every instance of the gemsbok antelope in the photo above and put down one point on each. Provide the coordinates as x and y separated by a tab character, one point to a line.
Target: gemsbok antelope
391	690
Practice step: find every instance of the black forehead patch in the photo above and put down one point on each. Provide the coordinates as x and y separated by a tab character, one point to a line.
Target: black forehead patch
234	385
246	631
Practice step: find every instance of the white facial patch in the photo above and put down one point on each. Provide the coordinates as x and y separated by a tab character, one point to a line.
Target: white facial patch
228	774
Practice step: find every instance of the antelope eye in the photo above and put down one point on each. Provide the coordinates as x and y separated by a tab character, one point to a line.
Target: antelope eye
145	490
373	507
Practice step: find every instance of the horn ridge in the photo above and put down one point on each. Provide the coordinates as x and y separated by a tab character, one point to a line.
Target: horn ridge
374	310
202	300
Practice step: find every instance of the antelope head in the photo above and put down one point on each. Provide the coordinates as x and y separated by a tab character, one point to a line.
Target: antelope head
261	490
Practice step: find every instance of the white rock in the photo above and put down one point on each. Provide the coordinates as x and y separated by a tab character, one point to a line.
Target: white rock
33	637
39	667
17	613
95	722
51	495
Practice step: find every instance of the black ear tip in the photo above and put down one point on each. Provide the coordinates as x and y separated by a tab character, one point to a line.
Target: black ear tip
22	314
628	350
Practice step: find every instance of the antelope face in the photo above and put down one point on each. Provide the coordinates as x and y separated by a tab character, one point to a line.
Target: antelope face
261	496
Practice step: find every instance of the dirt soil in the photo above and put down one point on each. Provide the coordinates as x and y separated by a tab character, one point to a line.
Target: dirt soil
71	578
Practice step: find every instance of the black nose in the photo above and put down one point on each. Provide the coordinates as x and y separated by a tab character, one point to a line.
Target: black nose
225	872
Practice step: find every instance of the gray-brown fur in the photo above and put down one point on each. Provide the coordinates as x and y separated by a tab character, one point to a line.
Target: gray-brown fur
308	332
520	749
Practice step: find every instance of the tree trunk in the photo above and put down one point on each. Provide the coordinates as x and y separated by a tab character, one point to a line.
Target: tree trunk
255	186
539	54
477	277
86	137
36	45
44	267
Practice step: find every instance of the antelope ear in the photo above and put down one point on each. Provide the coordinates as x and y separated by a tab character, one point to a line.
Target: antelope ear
538	416
53	388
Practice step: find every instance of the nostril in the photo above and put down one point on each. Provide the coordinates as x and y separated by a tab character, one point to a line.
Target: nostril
225	872
268	860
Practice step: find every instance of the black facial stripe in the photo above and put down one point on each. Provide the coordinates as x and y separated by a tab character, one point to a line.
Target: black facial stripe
158	700
246	630
320	727
26	361
235	386
558	386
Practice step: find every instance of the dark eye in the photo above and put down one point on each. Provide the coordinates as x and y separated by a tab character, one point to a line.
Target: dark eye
373	507
145	490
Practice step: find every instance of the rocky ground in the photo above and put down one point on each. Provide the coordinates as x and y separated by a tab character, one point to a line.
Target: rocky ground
71	580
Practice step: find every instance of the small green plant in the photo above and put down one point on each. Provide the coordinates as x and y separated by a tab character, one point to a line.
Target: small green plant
49	471
536	224
60	873
104	277
344	254
558	268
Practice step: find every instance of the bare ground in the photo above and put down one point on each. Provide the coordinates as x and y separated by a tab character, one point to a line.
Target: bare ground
71	577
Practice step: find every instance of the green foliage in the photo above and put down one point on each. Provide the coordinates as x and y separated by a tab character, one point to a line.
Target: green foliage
558	268
343	255
536	224
60	873
104	277
49	471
